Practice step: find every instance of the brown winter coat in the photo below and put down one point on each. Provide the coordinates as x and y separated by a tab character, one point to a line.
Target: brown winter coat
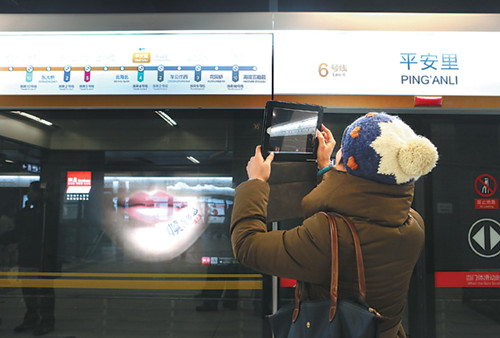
391	235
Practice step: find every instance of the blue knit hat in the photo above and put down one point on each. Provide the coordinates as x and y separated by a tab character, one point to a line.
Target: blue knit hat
382	148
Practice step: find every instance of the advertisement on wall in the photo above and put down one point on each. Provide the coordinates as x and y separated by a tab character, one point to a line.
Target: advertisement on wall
159	218
78	182
135	63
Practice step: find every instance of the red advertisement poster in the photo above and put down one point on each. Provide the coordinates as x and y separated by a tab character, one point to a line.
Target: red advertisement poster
79	182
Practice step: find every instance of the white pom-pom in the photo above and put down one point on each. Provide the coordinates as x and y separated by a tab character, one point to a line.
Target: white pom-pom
417	156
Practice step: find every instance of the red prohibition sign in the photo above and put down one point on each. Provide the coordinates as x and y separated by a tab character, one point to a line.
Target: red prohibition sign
487	183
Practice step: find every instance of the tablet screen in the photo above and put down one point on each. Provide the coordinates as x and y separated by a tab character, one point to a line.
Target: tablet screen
292	130
289	130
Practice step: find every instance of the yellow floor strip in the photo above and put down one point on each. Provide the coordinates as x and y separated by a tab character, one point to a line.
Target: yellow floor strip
127	275
134	284
148	281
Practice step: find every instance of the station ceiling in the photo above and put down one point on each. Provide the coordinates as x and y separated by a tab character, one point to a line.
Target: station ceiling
193	6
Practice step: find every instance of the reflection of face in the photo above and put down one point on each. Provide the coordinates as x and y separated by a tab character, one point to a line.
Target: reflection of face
155	226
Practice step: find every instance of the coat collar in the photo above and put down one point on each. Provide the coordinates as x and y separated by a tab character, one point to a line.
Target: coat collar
353	196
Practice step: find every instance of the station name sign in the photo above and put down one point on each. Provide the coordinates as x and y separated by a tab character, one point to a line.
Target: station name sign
385	63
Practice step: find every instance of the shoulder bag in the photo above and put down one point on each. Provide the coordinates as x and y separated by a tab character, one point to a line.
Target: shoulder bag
338	318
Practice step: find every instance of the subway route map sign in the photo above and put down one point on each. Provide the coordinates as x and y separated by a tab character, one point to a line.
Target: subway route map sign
135	63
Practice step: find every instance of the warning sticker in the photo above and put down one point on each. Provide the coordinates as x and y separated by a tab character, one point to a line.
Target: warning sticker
459	279
486	203
485	186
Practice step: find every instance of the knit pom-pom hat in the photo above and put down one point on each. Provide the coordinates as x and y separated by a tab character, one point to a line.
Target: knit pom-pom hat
382	148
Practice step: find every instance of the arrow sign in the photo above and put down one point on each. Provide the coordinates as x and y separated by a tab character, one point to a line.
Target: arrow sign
484	237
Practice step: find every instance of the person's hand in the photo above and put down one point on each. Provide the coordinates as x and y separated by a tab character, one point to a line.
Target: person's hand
326	143
259	168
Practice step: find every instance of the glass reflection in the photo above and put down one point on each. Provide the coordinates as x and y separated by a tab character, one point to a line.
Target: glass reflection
159	218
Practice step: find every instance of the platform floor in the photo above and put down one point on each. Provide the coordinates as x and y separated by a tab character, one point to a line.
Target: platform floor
85	314
133	316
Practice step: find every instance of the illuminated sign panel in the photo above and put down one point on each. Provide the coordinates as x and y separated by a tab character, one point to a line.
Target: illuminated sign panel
310	62
135	63
79	182
386	63
16	181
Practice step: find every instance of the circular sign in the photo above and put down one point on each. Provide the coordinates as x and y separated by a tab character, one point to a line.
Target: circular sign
484	237
485	185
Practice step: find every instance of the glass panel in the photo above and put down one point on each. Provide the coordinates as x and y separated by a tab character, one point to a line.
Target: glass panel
130	243
108	283
465	226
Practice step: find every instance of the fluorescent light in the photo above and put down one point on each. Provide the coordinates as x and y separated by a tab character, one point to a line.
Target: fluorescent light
165	117
32	117
192	159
